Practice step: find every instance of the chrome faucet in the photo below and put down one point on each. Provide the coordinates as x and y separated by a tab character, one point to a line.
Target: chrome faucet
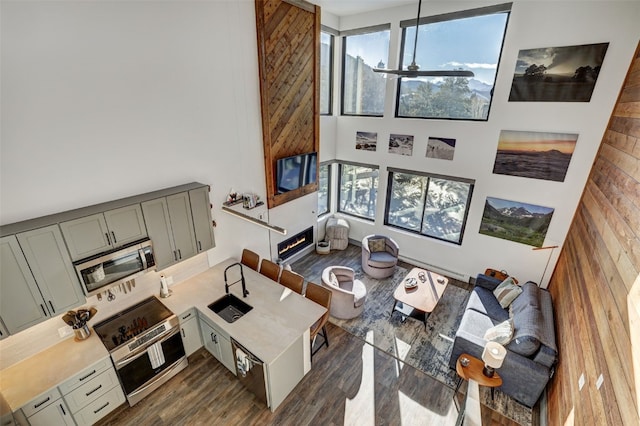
245	292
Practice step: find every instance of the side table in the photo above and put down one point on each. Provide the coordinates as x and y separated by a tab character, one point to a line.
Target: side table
473	372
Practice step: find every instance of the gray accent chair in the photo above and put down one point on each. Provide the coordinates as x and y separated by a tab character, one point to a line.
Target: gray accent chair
349	294
379	264
532	352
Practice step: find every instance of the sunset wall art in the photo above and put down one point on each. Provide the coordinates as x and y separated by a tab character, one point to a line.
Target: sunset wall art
536	155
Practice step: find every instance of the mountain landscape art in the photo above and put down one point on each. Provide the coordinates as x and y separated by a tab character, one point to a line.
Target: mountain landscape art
557	74
367	141
536	155
515	221
442	148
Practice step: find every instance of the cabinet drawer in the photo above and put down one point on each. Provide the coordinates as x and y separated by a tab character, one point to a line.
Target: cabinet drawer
92	390
42	401
85	375
100	407
187	315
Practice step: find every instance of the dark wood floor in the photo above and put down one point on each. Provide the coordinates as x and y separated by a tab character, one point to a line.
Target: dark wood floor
350	383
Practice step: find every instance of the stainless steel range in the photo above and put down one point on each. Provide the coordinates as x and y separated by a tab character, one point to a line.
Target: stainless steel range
145	345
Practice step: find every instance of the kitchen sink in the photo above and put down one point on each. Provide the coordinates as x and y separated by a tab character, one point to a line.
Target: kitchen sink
230	308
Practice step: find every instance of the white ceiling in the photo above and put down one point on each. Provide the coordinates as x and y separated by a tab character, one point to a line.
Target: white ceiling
352	7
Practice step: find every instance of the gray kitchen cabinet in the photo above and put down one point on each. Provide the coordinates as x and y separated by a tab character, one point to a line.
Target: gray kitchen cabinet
3	330
48	409
190	331
218	344
51	266
202	223
101	232
21	304
170	227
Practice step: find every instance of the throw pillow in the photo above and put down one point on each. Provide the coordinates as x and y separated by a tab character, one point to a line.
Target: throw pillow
377	244
500	333
333	280
506	292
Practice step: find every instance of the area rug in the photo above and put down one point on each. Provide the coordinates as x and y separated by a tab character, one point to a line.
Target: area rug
425	349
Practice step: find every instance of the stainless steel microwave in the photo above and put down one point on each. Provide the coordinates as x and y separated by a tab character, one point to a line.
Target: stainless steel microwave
100	272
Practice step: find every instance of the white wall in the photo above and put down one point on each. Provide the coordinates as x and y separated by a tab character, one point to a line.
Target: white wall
531	25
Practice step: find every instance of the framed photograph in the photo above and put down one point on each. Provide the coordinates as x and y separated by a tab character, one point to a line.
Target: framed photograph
515	221
367	141
401	144
536	155
442	148
557	74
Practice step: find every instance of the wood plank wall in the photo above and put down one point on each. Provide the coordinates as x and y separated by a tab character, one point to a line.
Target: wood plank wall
593	280
289	64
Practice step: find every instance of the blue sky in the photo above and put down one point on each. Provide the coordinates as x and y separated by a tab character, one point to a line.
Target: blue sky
469	43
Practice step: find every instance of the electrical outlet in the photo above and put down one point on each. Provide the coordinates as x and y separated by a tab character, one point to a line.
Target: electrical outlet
600	381
581	382
261	216
169	280
65	331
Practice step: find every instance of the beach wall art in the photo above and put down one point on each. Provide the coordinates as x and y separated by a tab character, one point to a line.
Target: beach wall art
401	144
557	74
515	221
441	148
536	155
367	141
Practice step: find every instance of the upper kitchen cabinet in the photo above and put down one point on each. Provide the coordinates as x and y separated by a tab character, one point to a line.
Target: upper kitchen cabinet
101	232
202	223
21	304
170	226
52	269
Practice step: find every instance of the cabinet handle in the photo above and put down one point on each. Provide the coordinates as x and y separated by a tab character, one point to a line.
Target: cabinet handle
183	333
113	234
101	408
40	403
106	234
214	338
199	245
64	413
95	390
186	316
44	311
87	376
52	308
175	255
179	254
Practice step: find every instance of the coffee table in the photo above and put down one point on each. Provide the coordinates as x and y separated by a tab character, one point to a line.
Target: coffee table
421	300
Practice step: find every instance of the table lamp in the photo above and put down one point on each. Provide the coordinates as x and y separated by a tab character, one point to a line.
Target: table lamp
492	355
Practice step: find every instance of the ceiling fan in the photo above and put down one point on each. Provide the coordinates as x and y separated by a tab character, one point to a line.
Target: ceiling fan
413	70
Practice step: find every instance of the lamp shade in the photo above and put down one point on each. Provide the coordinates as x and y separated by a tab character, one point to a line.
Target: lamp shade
493	354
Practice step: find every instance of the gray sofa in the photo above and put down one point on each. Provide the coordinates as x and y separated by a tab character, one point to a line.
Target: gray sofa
532	352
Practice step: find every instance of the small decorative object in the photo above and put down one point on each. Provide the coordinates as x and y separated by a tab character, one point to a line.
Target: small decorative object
410	283
233	198
164	287
323	247
493	355
78	321
440	280
464	362
250	200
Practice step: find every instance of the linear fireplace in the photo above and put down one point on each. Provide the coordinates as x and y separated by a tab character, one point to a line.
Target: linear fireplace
295	244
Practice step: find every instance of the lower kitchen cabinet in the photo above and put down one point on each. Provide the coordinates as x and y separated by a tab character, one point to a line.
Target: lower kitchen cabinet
218	344
48	409
190	331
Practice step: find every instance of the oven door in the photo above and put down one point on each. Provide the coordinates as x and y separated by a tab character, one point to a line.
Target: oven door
137	373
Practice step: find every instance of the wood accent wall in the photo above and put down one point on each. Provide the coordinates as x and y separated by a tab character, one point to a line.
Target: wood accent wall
289	65
595	306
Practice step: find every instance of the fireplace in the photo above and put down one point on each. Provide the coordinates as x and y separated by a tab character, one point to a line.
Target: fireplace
295	244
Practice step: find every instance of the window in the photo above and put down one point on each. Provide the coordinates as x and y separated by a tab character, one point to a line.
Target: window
358	189
470	40
432	205
324	189
362	89
326	71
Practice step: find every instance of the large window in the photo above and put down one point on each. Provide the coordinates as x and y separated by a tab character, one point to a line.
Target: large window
358	189
431	205
470	40
324	189
362	89
326	70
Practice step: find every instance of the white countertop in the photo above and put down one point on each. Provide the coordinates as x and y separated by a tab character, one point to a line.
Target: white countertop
278	318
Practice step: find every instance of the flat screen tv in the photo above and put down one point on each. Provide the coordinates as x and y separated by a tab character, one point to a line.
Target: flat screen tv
296	171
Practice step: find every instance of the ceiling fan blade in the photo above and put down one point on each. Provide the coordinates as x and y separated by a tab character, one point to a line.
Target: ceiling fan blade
426	73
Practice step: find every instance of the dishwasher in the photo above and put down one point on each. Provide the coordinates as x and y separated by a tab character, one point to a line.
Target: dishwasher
250	371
